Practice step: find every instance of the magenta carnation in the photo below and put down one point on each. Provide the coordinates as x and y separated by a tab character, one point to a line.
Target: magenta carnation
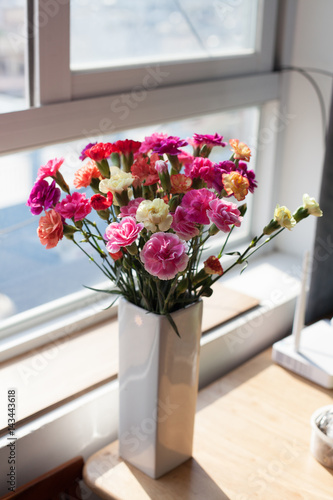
121	234
169	146
209	140
164	255
202	168
130	209
50	169
74	206
224	214
182	226
43	196
249	174
196	203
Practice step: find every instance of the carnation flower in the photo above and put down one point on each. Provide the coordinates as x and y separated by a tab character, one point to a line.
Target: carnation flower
100	202
164	255
83	152
154	214
196	203
208	140
149	143
130	209
144	171
121	234
224	214
101	151
74	206
118	182
85	174
311	206
169	146
127	146
184	228
43	196
283	217
50	169
240	149
202	168
50	229
235	184
180	183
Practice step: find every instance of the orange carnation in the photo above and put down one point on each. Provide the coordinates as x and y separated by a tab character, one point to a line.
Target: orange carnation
240	149
234	183
83	176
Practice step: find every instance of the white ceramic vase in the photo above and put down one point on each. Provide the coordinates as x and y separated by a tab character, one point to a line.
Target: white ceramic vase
158	386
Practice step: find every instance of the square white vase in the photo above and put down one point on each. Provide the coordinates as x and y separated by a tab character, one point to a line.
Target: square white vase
158	386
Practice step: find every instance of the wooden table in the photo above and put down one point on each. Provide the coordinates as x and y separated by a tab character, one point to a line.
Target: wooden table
251	441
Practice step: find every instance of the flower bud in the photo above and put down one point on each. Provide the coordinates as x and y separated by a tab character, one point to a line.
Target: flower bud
213	230
271	227
104	169
69	231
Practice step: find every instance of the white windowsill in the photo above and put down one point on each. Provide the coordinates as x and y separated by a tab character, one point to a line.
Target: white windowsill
85	424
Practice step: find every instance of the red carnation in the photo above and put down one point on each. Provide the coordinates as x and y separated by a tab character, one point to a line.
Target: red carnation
99	202
101	151
127	146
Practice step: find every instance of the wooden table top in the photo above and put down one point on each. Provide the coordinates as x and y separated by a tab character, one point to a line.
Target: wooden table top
251	441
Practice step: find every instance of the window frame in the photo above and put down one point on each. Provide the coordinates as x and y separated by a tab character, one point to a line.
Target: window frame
57	82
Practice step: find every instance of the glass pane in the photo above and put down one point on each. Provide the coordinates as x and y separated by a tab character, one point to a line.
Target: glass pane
13	41
117	32
31	275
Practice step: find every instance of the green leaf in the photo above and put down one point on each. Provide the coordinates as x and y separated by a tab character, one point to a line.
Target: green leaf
172	323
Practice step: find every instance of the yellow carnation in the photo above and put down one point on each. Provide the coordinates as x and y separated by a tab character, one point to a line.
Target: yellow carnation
311	206
284	218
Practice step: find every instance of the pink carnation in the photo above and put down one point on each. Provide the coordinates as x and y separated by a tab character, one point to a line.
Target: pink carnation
130	209
196	203
121	234
50	169
202	168
224	214
74	206
164	255
182	226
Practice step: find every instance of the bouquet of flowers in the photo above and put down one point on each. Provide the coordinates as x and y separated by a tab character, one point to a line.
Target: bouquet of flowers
160	205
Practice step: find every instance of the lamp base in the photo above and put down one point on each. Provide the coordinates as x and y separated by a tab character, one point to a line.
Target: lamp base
314	358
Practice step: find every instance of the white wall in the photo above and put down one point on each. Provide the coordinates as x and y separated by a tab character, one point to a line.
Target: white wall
302	139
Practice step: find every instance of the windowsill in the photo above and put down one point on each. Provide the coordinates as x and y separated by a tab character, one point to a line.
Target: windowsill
273	281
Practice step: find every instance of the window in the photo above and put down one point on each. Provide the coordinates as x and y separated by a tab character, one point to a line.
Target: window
13	64
64	123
